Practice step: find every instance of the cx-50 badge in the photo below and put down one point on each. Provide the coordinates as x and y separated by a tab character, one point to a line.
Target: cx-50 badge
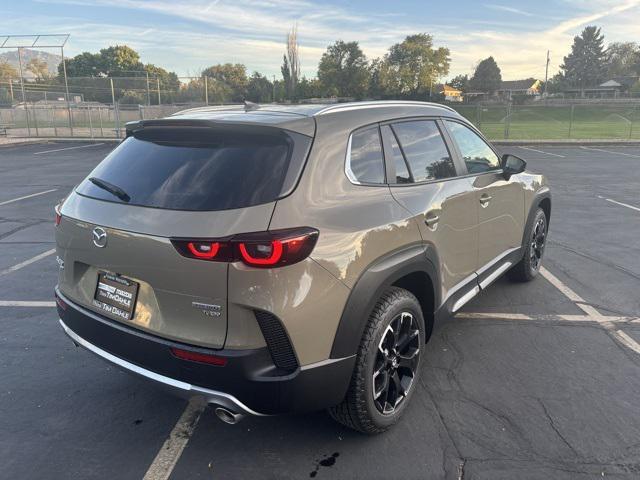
99	237
210	310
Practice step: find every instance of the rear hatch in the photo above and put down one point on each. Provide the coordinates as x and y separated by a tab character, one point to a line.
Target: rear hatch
171	181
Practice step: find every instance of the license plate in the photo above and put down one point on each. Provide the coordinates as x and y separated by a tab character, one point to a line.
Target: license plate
116	295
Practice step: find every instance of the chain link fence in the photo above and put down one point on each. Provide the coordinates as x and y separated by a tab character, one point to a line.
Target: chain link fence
100	107
556	122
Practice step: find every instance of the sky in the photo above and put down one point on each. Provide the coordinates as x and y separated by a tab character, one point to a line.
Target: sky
188	36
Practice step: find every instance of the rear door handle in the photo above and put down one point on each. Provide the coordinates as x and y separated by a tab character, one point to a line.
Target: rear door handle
485	199
431	220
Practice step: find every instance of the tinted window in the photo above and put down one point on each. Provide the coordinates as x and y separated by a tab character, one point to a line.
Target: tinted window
402	172
366	164
194	170
425	150
476	153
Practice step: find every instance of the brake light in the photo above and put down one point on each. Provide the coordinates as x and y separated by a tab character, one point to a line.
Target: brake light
199	357
261	250
58	216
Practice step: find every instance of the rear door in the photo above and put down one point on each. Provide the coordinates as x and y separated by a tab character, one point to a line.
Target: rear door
159	185
500	202
425	181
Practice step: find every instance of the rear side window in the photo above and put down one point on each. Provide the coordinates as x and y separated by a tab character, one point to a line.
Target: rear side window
365	163
478	156
425	150
200	169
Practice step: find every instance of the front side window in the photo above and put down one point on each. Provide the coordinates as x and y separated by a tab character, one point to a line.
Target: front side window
478	156
366	163
425	150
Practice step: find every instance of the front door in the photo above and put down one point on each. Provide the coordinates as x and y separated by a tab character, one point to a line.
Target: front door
500	202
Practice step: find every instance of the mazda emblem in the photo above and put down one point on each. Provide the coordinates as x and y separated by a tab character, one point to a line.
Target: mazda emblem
99	237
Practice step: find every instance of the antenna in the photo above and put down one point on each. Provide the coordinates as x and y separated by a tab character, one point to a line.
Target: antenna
249	106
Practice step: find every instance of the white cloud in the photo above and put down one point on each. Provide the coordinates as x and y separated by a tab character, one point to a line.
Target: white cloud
205	32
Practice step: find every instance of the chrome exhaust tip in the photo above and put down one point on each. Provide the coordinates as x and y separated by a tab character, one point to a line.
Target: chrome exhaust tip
227	416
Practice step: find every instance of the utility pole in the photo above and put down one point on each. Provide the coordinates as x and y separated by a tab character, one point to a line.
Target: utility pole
206	91
158	83
273	96
148	94
66	89
24	100
546	76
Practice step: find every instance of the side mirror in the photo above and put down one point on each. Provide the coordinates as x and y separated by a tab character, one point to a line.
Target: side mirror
512	165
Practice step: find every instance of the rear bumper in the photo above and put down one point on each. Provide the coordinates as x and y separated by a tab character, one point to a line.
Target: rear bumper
249	383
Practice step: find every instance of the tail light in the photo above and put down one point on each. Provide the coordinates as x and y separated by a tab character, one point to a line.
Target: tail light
198	357
58	216
262	250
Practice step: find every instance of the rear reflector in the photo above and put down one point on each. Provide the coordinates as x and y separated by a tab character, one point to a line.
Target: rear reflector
270	249
199	357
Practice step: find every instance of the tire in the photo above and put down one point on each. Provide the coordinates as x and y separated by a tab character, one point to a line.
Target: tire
536	234
398	369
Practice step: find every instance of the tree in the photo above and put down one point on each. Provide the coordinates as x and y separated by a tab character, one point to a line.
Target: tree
309	88
259	88
343	70
585	65
169	83
460	82
413	66
120	61
227	82
487	77
7	71
622	59
291	63
39	68
83	65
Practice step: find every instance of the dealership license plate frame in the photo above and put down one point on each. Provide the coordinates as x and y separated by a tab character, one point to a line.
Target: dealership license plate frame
121	290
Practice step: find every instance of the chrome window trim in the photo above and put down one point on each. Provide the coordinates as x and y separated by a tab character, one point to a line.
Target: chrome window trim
347	161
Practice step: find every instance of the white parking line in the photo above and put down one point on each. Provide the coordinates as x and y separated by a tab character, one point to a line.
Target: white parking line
605	322
24	303
173	447
627	340
27	196
620	203
27	262
545	317
68	148
609	151
540	151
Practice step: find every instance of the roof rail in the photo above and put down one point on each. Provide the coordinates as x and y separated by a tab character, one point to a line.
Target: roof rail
381	103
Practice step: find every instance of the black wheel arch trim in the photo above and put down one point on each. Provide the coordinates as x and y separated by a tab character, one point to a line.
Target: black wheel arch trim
370	286
540	195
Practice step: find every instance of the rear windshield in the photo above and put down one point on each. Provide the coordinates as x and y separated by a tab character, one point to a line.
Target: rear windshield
201	169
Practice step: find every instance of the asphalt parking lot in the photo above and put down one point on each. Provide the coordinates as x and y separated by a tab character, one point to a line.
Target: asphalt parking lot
530	381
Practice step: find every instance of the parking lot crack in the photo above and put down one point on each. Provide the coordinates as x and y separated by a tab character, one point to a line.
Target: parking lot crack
556	429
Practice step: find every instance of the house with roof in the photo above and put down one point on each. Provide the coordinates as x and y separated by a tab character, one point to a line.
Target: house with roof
450	94
529	86
611	88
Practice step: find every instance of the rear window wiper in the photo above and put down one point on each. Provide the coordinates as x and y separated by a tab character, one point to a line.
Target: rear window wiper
111	188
